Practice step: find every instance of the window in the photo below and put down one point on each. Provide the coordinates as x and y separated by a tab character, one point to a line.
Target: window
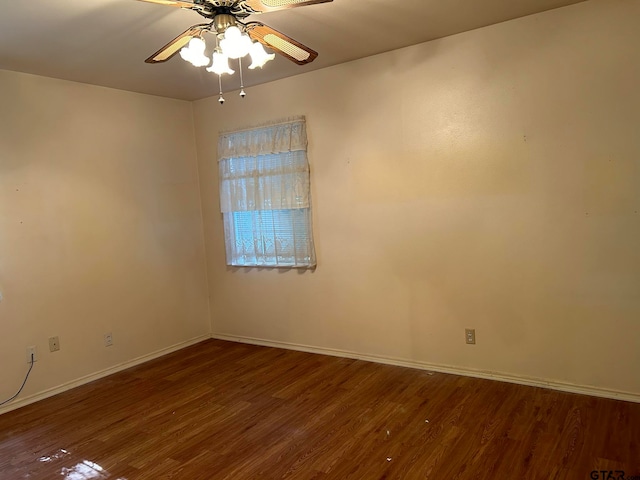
264	196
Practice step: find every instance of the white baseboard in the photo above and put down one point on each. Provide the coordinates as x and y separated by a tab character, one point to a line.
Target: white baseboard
520	380
502	377
102	373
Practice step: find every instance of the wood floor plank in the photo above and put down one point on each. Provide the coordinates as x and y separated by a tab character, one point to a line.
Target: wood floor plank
221	410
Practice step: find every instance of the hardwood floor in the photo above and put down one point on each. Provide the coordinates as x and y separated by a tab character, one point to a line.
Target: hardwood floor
221	410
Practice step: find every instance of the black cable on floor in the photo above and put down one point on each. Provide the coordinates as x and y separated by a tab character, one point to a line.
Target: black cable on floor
23	383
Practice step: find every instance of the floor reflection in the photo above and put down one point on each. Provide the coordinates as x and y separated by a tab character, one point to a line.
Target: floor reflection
84	470
59	454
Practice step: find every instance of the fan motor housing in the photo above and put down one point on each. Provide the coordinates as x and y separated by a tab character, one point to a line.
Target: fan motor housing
222	21
212	8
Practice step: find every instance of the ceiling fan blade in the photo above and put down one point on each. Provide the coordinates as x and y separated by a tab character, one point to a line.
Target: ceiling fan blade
171	48
279	42
271	5
172	3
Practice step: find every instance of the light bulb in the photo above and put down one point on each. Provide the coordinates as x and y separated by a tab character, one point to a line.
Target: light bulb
220	64
259	56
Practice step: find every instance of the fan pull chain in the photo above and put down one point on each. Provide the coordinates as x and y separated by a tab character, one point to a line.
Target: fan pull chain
221	99
242	92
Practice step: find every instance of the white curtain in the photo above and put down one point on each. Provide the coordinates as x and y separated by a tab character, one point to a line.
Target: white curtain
286	136
264	195
265	182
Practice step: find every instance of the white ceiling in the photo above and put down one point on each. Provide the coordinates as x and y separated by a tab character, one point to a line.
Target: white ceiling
105	42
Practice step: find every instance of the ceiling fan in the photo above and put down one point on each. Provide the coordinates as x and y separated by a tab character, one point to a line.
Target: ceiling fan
231	13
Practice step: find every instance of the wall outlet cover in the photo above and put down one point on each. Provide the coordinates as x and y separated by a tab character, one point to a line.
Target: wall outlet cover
470	336
54	344
32	351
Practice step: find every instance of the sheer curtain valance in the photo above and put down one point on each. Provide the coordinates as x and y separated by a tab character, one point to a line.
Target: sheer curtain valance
286	136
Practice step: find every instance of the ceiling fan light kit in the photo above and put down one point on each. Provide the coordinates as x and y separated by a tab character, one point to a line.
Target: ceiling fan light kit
234	39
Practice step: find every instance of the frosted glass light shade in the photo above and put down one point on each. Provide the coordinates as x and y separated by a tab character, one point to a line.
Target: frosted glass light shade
259	56
197	45
220	64
194	52
235	44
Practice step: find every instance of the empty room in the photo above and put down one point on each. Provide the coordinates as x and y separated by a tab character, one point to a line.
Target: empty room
320	239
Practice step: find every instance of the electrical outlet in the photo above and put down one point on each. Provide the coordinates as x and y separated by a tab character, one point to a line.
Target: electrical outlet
108	339
54	344
470	335
32	351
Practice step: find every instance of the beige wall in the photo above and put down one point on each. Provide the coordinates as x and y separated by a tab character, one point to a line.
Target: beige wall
100	229
487	180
